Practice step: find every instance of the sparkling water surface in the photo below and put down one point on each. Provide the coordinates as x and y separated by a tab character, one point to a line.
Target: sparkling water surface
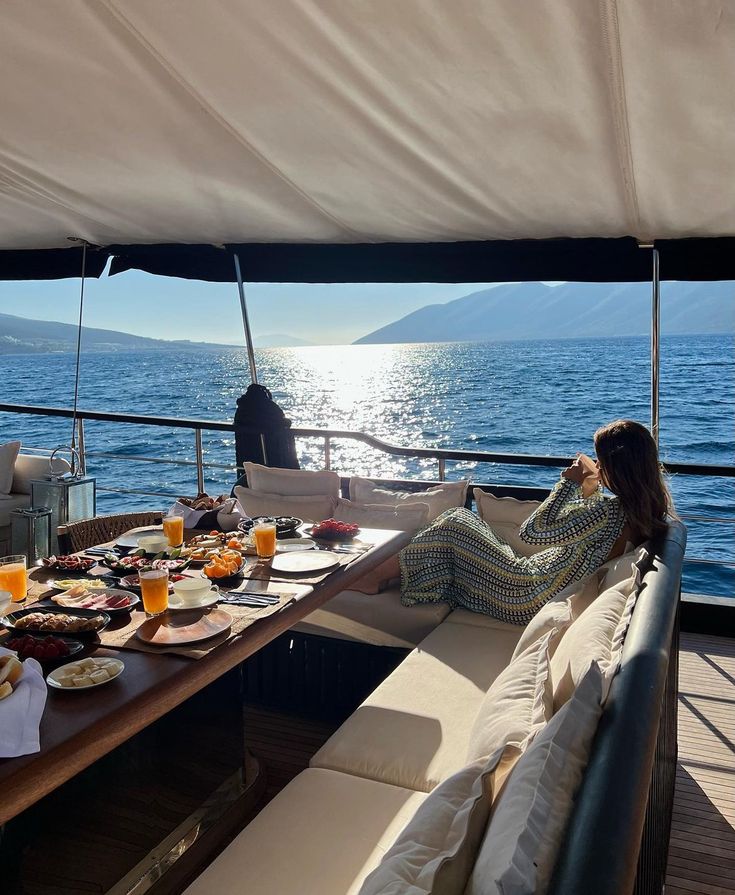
533	397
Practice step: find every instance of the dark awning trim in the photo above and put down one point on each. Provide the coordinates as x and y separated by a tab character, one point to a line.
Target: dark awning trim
582	260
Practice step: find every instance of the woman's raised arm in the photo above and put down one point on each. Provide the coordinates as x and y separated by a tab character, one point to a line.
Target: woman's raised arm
565	517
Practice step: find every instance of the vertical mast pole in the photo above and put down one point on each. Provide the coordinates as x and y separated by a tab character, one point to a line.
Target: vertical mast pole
655	342
245	321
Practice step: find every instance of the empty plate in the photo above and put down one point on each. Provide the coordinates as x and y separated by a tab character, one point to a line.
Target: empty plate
304	561
184	627
294	545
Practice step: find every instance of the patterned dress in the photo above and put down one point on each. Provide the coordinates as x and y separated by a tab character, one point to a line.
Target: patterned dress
460	560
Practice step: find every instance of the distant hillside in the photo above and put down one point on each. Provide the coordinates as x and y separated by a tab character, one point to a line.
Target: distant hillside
571	310
20	335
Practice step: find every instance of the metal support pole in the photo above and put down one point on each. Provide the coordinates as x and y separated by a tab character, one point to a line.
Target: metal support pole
442	470
327	453
245	321
81	447
655	342
199	459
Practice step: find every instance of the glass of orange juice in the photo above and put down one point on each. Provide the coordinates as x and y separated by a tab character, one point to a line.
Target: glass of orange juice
154	590
264	536
13	576
173	528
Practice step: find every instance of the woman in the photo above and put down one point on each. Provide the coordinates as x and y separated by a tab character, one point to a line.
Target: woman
460	560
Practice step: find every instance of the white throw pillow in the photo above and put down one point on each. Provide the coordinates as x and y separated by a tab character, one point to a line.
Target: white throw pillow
560	611
8	456
291	482
597	635
29	468
519	701
519	850
621	569
436	850
438	498
309	508
410	517
505	515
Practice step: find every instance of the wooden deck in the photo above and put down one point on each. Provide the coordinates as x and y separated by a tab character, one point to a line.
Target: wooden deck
702	850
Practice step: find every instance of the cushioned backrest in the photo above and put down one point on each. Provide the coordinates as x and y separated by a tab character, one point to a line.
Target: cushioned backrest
505	516
401	518
28	468
438	498
312	508
291	482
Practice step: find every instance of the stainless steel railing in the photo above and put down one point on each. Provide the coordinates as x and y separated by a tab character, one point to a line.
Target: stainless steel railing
441	455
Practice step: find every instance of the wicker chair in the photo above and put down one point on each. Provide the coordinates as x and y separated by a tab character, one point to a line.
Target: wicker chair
77	536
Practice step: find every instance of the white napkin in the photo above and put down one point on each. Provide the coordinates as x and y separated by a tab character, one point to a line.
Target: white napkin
20	713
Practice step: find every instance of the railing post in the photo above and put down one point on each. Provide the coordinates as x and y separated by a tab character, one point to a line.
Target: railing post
442	470
81	447
199	459
655	342
327	453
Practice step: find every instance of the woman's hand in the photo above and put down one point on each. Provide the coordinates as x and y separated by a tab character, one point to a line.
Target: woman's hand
584	473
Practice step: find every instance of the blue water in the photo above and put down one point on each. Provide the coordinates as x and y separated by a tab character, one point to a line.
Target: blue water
527	397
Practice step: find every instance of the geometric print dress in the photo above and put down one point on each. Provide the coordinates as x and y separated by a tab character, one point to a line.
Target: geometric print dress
459	559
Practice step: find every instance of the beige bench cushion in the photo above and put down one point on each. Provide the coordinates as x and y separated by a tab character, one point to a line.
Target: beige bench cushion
321	835
414	729
9	502
378	619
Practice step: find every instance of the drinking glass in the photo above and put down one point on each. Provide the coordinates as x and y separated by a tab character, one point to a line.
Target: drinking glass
173	528
13	576
264	536
154	590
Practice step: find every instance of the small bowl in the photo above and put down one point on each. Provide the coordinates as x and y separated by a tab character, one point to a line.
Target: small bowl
153	544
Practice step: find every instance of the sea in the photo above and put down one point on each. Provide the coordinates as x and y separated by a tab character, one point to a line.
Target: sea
533	397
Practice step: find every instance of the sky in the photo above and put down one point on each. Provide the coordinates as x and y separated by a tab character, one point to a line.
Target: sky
171	308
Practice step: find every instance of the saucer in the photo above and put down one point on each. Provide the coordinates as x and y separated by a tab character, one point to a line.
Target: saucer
175	602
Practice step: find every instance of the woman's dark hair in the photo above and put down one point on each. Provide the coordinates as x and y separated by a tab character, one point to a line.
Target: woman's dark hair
630	468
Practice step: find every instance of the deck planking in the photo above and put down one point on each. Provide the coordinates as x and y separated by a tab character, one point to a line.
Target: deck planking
702	844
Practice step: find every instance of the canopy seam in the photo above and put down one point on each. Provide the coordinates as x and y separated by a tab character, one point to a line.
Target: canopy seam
216	116
610	26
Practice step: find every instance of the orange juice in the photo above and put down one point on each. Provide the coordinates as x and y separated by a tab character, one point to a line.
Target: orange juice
154	590
173	528
264	536
13	577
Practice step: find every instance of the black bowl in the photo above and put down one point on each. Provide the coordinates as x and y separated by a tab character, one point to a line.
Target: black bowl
285	525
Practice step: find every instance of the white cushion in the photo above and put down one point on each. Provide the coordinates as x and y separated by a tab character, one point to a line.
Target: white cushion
520	701
8	455
597	635
560	611
436	851
291	482
505	515
321	835
438	498
519	850
414	729
309	508
622	568
379	619
410	517
10	502
29	468
481	620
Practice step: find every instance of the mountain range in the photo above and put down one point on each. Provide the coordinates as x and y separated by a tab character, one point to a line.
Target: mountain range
568	310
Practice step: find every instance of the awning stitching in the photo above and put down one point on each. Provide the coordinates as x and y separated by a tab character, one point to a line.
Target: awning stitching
621	123
215	115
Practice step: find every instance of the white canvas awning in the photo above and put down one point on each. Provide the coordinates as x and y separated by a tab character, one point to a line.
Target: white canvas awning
341	121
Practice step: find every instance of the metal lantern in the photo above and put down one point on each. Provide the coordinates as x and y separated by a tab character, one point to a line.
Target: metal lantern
30	533
69	496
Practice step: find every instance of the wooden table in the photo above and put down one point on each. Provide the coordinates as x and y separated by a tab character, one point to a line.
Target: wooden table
79	727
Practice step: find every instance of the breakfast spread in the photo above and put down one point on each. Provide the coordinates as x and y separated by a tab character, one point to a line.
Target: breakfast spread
203	502
10	672
334	530
139	562
69	584
59	622
284	524
45	649
87	672
224	564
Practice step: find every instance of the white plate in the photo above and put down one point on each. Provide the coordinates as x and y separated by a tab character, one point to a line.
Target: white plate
130	538
53	681
175	602
293	545
302	561
73	582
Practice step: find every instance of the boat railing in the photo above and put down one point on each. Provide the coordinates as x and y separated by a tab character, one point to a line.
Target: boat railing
327	436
